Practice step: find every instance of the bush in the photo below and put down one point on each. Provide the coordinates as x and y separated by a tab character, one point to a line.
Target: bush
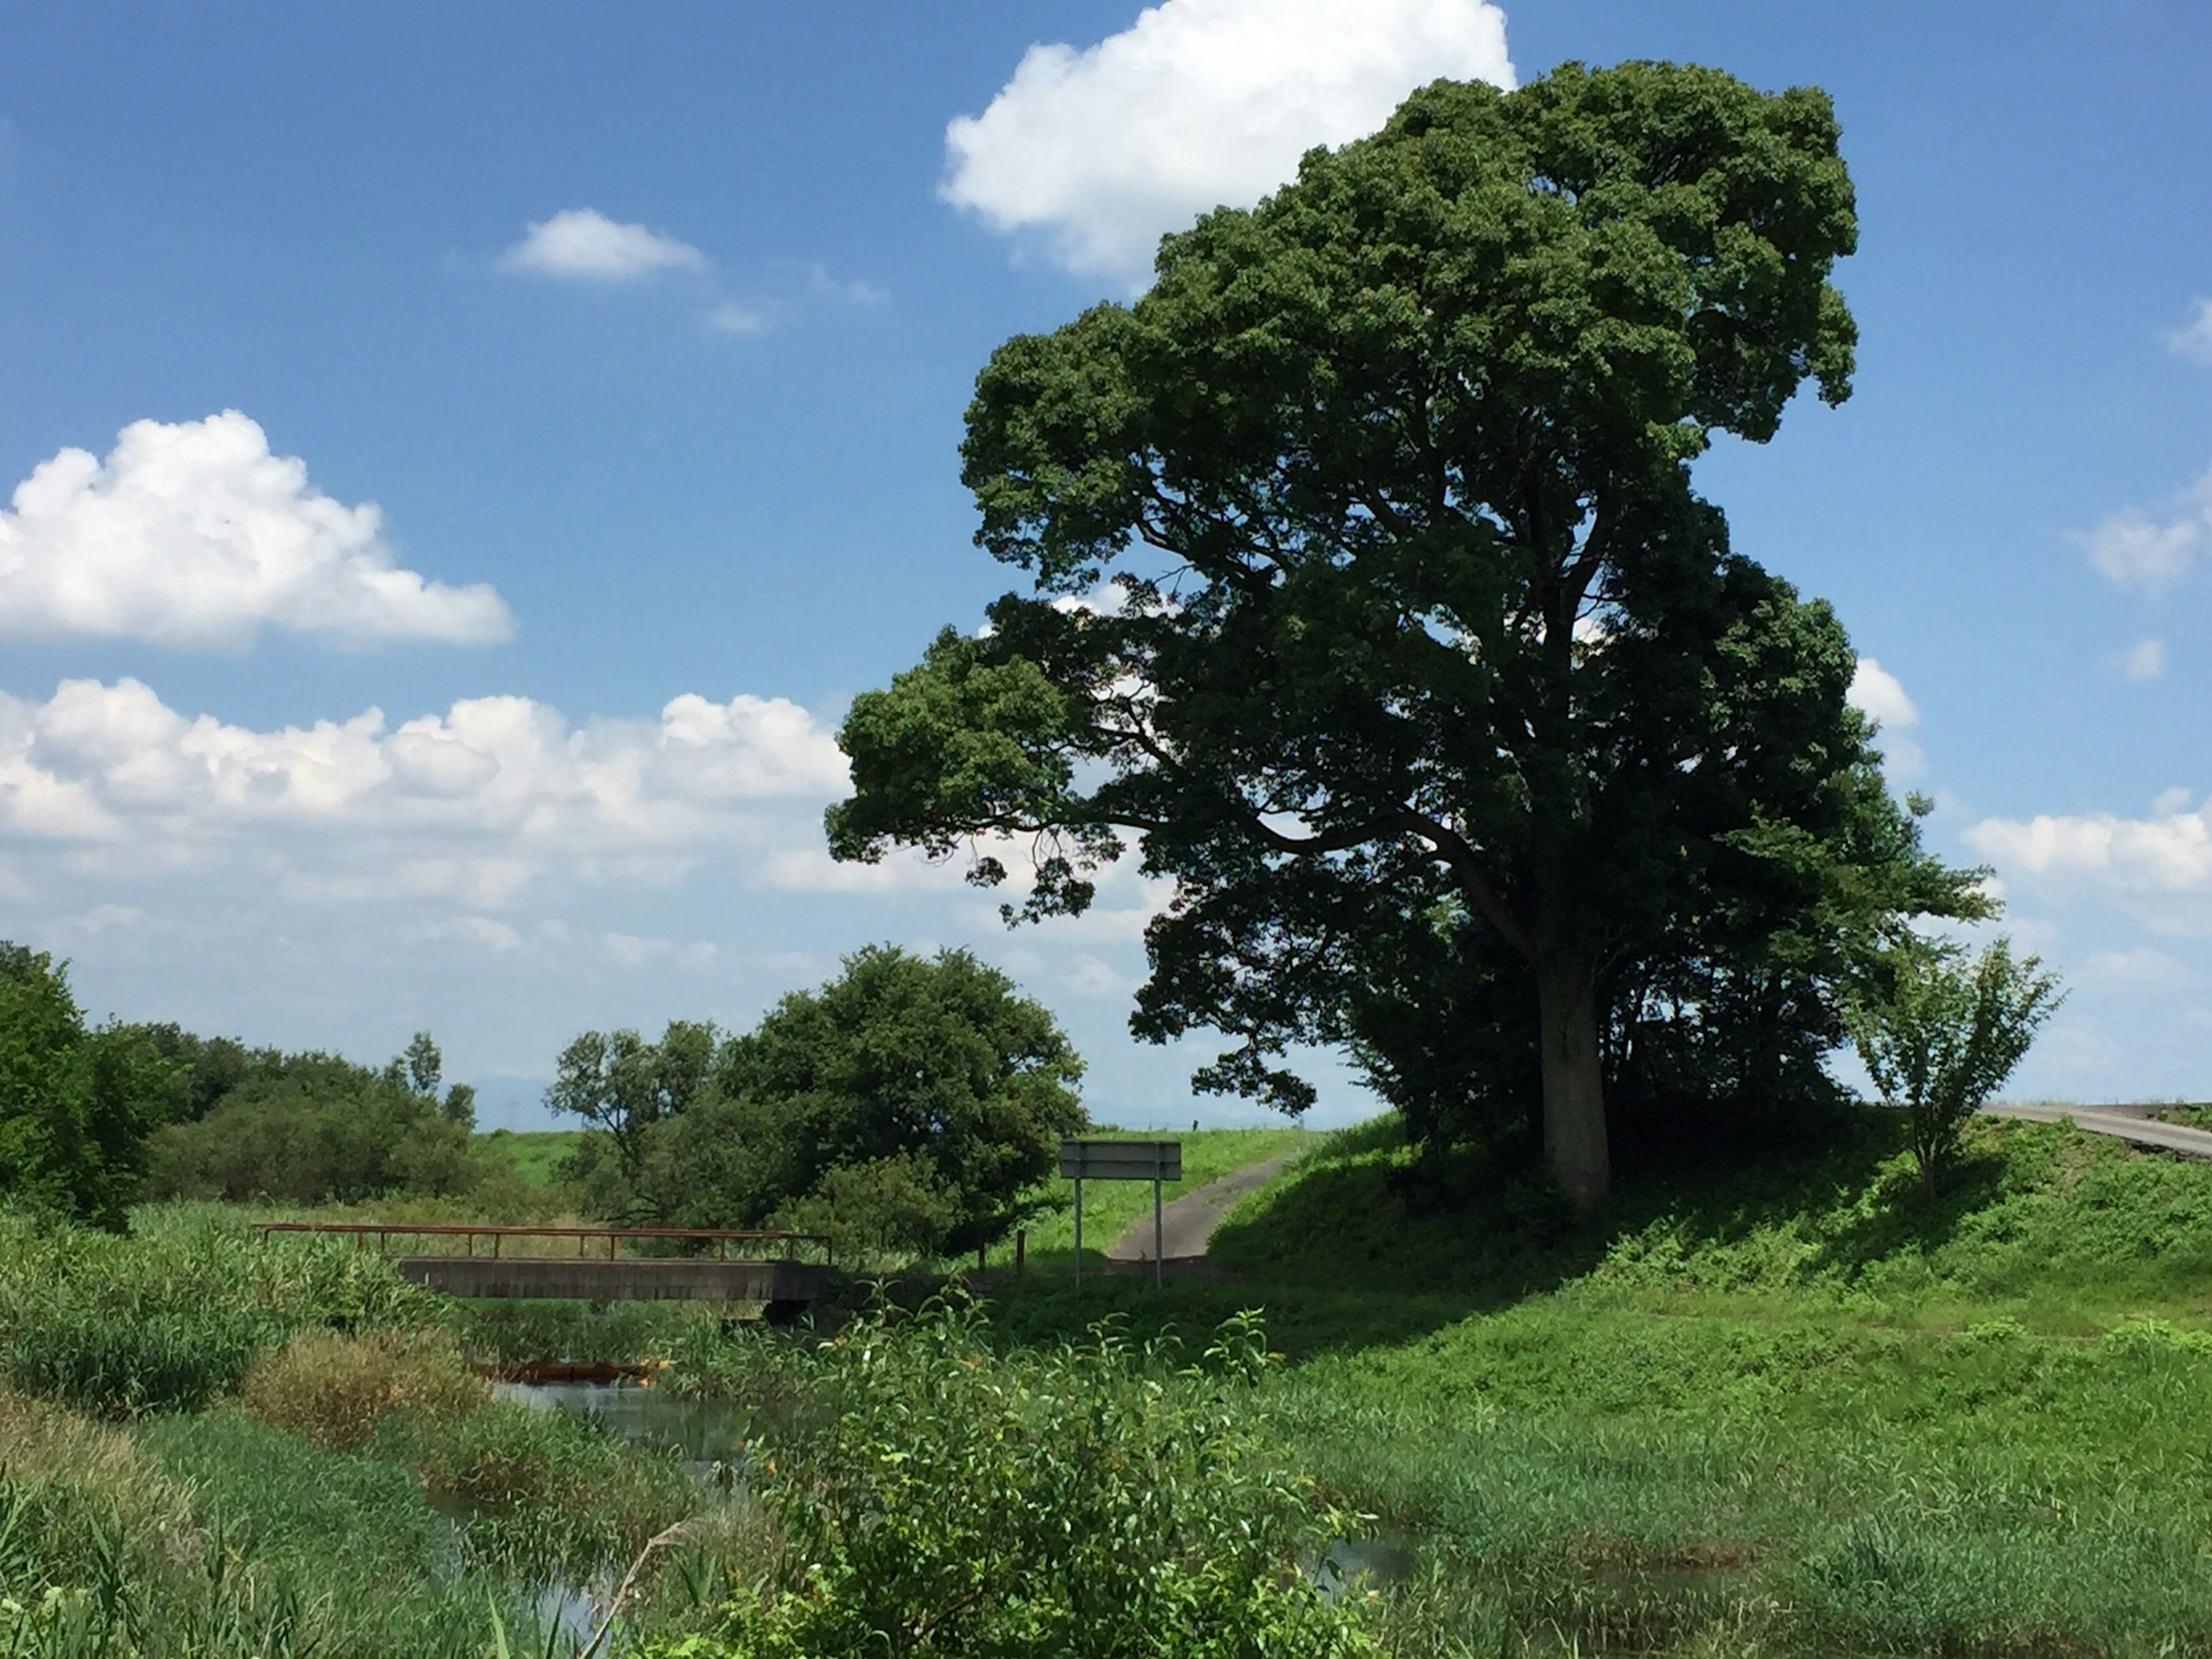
545	1495
1082	1501
334	1390
875	1215
310	1128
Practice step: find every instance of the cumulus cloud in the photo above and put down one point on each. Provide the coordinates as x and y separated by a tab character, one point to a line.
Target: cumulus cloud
1198	104
2150	553
583	245
474	805
2159	868
2143	661
1880	696
195	534
2193	340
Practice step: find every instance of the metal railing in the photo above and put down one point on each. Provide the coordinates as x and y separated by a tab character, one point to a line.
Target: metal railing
384	1231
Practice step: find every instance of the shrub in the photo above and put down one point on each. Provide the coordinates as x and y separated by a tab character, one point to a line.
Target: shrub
1939	1037
334	1390
75	1106
309	1128
1079	1501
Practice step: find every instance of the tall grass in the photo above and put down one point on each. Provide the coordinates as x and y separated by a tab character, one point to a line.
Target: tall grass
171	1315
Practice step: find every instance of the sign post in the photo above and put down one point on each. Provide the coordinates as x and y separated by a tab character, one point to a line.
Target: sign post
1155	1161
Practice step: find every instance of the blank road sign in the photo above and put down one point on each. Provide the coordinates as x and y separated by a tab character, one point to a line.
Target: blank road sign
1121	1160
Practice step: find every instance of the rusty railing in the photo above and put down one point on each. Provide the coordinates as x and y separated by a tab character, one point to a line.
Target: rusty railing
384	1231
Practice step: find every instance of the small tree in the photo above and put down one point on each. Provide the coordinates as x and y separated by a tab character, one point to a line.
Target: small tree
1939	1035
623	1084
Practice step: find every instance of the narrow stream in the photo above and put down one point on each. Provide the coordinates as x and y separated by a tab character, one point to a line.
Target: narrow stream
708	1433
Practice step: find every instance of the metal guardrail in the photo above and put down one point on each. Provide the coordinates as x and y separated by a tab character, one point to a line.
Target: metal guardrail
385	1231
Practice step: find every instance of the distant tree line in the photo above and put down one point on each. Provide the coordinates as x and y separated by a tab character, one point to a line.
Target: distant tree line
910	1106
93	1118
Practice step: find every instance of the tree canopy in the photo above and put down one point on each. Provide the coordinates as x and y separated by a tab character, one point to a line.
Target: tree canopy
1370	592
912	1102
76	1106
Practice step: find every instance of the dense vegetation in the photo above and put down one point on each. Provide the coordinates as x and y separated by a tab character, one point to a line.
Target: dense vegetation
92	1119
908	1107
75	1105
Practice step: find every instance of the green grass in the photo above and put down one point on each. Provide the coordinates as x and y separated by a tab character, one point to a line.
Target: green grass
533	1154
1773	1411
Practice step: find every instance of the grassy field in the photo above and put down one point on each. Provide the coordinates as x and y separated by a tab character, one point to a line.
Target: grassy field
1782	1410
533	1154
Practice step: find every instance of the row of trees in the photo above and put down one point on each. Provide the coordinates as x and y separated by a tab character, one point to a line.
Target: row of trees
911	1105
92	1118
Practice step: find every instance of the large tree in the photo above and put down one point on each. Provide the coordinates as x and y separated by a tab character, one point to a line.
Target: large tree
1371	593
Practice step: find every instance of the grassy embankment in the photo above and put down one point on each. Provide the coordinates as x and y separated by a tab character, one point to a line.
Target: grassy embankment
1777	1412
1765	1413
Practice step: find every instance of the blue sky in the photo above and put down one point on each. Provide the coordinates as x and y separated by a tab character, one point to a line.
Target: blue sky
673	472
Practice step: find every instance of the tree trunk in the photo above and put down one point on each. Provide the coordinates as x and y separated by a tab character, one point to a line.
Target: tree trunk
1574	1081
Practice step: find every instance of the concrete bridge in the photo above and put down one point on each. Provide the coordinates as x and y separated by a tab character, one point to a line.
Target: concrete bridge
535	1261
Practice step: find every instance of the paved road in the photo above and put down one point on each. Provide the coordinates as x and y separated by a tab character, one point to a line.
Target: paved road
1188	1222
2123	1121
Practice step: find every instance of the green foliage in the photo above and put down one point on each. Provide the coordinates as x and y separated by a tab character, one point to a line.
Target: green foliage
623	1084
174	1315
212	1538
541	1494
1940	1038
313	1128
1424	672
1081	1500
909	1103
75	1106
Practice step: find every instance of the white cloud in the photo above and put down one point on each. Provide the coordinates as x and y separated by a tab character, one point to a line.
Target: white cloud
1198	104
2137	551
2144	660
2159	868
854	291
584	245
475	804
734	318
2193	340
194	534
1880	696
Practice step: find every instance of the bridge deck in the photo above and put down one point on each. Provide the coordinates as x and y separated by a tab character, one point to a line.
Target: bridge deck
626	1279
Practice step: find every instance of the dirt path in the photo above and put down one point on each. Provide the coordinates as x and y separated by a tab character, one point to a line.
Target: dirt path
2125	1123
1186	1223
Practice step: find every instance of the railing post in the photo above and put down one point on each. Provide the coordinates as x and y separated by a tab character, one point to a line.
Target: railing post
1021	1251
